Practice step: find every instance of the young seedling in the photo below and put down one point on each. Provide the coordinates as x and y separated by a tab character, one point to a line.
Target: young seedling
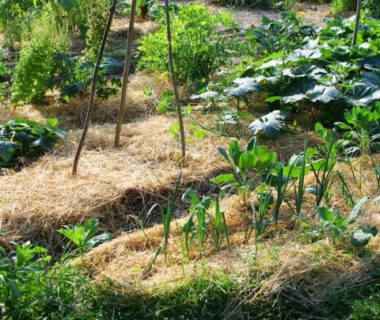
198	208
84	237
333	220
167	216
219	227
260	224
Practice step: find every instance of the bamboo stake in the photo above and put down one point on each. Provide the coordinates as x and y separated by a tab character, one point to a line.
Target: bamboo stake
174	81
93	87
127	66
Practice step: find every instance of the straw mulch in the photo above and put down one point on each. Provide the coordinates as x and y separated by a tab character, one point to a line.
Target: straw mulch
112	184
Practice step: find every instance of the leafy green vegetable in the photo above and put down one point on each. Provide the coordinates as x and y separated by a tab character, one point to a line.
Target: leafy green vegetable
20	137
361	236
84	237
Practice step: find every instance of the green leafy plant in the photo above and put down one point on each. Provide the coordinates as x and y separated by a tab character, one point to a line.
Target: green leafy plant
246	165
74	78
35	68
362	128
96	20
24	138
279	177
277	35
23	265
323	75
260	221
4	81
340	6
333	220
299	169
84	237
322	161
362	136
197	52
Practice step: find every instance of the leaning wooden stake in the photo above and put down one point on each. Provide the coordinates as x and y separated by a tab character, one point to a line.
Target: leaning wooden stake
174	80
127	66
93	86
357	21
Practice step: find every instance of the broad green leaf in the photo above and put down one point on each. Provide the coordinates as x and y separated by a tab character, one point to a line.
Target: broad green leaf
235	152
15	291
360	237
247	161
223	178
52	122
245	86
224	154
326	214
357	208
323	94
270	124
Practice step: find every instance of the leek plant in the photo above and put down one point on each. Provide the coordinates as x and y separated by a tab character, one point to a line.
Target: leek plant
167	216
260	224
198	208
219	227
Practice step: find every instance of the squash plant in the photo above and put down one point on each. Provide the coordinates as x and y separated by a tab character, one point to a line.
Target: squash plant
24	138
326	74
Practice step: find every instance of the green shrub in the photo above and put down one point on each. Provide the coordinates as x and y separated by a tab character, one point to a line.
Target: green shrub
343	5
198	49
373	6
259	4
74	78
4	81
14	14
96	22
274	36
36	64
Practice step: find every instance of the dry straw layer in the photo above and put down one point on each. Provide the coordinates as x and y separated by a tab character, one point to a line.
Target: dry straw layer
45	195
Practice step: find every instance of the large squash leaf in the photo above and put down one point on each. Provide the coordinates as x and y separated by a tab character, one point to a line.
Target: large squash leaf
205	95
245	86
324	94
270	124
7	149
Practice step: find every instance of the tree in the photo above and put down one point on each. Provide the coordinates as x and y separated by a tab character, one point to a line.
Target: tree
93	86
127	66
